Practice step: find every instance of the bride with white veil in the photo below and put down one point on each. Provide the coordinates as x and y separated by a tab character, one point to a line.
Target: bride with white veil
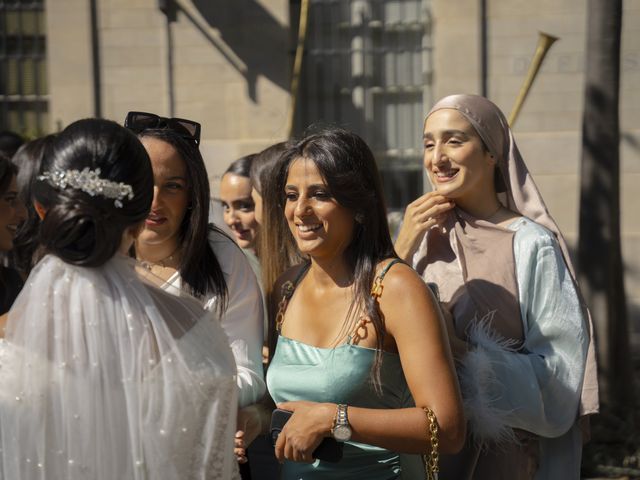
104	376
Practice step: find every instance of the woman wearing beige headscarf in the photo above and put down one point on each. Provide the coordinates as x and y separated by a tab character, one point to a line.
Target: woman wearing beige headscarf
519	329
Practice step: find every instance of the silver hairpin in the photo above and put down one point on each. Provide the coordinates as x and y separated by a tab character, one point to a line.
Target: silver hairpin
89	181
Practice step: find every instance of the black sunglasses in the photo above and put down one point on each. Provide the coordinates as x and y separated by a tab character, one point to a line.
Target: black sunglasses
140	121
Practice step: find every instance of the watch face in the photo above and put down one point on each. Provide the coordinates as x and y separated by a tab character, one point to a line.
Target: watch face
342	433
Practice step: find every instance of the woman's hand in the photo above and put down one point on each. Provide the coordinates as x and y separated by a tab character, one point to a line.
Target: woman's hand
240	448
304	431
251	423
420	215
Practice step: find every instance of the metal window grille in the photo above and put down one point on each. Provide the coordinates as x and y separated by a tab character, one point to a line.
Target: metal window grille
367	67
23	75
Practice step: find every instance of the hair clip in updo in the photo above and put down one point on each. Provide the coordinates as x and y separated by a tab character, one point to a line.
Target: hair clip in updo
89	181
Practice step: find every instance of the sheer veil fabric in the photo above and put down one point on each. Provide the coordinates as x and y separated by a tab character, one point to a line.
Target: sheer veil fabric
104	376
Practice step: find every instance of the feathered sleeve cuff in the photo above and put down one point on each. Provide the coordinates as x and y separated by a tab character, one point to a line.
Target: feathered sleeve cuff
481	388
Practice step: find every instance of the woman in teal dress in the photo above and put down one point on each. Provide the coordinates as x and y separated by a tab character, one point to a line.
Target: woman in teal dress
362	353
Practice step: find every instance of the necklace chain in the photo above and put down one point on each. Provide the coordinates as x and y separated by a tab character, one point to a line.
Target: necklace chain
148	265
493	214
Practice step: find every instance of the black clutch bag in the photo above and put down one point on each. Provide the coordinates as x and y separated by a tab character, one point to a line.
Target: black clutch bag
329	449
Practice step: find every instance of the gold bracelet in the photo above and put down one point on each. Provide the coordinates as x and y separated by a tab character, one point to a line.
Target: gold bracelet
431	459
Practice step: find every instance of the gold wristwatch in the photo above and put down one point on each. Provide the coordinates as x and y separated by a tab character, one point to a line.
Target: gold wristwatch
341	430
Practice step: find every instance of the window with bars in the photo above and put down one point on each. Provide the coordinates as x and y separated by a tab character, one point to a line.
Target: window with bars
23	76
367	67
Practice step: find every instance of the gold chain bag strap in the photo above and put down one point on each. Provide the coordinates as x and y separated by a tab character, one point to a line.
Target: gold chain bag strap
431	459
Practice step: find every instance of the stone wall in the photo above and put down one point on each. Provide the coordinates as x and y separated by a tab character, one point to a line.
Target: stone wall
230	68
548	130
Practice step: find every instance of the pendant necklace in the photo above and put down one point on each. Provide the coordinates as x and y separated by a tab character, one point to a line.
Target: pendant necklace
148	265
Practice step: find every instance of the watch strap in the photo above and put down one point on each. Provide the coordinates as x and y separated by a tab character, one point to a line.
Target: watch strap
342	417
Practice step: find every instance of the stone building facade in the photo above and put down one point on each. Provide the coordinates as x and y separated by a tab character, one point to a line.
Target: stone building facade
373	65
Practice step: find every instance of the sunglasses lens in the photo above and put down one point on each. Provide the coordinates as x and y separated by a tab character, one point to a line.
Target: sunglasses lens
182	128
140	121
186	127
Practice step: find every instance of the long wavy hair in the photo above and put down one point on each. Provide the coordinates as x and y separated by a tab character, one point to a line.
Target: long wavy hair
274	238
199	267
348	167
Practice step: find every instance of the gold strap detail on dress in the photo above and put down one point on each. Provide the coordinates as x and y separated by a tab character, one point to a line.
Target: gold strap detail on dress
377	287
431	459
287	293
287	290
360	329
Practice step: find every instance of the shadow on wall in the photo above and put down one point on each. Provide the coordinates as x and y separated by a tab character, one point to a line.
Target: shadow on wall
631	140
253	35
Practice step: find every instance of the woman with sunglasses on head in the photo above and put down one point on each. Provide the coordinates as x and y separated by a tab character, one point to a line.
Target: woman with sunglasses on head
518	329
180	247
105	376
12	214
362	354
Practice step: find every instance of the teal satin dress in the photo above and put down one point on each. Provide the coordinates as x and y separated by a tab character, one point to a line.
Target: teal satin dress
339	375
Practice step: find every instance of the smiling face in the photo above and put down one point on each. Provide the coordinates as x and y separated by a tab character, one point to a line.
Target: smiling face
12	214
455	158
170	197
238	208
321	226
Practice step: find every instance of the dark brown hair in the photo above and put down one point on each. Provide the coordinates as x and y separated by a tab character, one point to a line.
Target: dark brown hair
199	267
347	165
28	159
241	166
274	239
87	230
7	172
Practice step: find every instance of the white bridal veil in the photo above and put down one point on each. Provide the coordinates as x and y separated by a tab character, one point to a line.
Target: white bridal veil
104	377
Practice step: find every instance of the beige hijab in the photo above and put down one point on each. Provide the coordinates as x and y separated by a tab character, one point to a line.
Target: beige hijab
477	237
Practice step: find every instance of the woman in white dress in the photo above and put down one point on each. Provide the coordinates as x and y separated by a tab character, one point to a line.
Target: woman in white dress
103	376
192	257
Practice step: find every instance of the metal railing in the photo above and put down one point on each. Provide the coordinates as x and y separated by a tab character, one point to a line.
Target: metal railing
367	67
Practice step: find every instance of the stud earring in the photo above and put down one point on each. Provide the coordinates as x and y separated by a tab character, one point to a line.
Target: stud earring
359	218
